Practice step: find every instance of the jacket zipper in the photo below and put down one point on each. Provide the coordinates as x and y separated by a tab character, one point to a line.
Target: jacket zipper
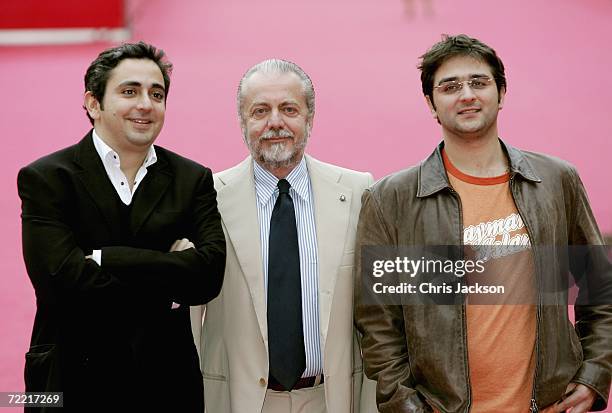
463	317
534	405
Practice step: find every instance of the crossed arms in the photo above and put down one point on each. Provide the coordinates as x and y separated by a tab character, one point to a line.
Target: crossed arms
57	263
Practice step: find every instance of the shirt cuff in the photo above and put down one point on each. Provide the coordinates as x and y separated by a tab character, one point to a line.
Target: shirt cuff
96	255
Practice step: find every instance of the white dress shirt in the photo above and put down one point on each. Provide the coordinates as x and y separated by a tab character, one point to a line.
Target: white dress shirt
112	166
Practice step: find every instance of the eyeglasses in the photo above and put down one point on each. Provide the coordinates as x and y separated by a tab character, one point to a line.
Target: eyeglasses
454	86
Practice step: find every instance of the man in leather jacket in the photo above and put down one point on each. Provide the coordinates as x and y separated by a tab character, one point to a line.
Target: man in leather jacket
482	196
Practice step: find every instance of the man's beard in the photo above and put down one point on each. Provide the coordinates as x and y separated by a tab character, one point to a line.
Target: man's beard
277	155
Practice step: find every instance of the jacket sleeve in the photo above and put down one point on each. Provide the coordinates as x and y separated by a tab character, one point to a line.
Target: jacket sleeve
55	263
192	276
591	266
54	259
381	325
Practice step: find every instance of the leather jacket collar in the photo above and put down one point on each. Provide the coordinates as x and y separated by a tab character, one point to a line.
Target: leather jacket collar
432	174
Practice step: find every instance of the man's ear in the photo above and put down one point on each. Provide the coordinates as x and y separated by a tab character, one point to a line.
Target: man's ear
502	96
431	106
309	123
92	105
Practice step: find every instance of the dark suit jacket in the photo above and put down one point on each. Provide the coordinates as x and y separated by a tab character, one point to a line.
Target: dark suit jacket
106	335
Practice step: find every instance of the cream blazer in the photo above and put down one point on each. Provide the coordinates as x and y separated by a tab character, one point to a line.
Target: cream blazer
233	341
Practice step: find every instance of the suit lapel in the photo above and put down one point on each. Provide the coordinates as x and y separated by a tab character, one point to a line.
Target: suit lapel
331	219
237	205
98	185
96	182
153	188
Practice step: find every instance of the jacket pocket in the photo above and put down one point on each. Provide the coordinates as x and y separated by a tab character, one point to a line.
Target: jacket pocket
348	259
42	371
212	376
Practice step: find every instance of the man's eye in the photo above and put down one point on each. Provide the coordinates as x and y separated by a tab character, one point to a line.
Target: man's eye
128	91
158	95
290	110
259	112
479	84
451	87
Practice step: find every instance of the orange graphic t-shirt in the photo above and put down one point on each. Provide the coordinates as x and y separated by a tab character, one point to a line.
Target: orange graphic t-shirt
501	329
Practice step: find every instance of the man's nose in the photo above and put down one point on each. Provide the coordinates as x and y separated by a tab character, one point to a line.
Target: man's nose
466	93
144	102
275	121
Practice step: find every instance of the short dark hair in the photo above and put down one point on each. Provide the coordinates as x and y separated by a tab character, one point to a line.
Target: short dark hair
99	70
459	45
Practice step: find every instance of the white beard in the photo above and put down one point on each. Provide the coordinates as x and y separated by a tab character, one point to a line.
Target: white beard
277	155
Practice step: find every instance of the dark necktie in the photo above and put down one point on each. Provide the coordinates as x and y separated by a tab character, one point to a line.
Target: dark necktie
287	356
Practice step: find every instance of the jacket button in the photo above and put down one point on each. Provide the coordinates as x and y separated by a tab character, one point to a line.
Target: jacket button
262	381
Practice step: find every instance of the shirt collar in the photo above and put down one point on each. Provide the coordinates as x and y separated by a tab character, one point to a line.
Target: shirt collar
265	182
109	156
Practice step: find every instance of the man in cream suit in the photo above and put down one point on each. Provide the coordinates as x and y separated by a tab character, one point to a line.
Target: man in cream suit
280	336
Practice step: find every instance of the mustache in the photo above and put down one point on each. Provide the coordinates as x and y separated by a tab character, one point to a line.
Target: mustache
275	134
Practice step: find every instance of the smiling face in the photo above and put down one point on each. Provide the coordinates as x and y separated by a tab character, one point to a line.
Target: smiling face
275	119
467	114
131	114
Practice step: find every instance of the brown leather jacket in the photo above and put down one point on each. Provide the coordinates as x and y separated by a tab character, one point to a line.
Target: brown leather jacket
419	355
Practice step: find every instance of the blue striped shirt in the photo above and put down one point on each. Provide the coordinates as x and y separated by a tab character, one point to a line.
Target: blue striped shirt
301	193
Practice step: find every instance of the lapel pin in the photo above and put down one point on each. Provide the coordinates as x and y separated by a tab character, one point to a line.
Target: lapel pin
342	198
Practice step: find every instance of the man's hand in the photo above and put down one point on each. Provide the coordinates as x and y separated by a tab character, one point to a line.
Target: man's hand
181	245
578	397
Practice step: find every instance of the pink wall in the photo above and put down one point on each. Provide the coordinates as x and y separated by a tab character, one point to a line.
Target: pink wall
361	55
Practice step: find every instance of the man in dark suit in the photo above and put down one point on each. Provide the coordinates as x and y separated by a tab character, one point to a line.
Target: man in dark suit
120	237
